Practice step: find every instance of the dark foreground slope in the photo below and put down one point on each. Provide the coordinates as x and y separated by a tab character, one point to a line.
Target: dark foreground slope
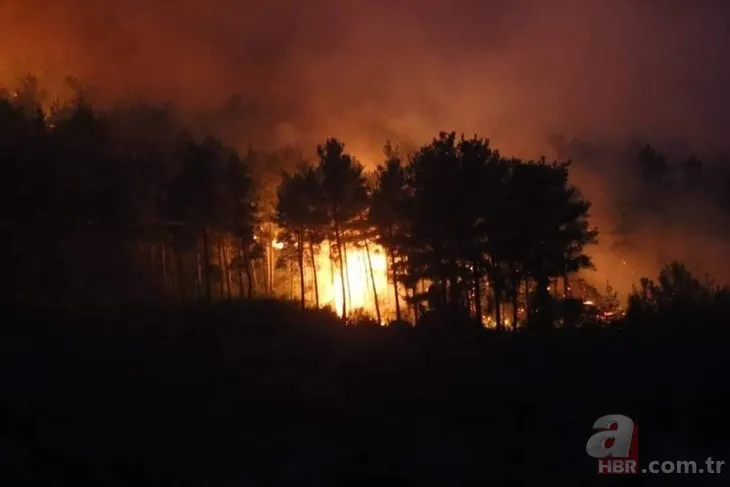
260	394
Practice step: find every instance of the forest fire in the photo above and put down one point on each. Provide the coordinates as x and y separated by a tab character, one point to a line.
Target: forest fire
360	276
366	279
334	193
317	242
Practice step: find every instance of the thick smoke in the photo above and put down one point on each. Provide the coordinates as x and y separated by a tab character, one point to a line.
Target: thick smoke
364	71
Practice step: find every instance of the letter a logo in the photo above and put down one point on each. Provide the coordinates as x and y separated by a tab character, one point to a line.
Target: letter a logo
615	438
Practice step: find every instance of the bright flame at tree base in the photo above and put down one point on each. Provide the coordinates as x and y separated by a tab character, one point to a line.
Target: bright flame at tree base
359	293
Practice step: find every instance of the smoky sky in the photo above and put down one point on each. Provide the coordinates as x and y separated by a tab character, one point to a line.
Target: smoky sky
510	70
363	71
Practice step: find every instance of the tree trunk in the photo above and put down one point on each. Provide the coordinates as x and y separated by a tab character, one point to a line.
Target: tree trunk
163	259
566	286
395	285
176	264
515	299
300	260
268	242
199	274
372	280
271	270
152	274
498	306
249	273
265	265
240	273
271	263
221	267
206	267
454	291
314	272
416	316
342	269
467	299
123	271
332	265
362	261
443	284
542	303
347	273
477	294
228	273
255	275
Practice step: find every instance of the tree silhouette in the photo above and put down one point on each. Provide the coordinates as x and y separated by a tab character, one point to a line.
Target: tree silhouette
454	219
196	196
293	218
657	182
361	232
240	211
345	197
678	298
434	213
653	165
387	213
691	170
555	231
122	195
483	180
473	214
317	221
122	204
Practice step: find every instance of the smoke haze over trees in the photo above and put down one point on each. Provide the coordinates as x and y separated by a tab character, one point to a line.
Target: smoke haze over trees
293	73
588	68
267	73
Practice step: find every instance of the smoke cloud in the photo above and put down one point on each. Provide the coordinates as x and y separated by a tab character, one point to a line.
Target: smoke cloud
366	71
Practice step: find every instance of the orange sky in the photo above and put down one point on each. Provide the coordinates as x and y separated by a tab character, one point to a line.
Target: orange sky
512	70
367	70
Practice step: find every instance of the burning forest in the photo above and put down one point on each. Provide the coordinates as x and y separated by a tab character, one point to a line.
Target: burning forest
134	208
258	77
336	243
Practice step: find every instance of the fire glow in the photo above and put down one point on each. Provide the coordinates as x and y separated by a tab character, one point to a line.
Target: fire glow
359	282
